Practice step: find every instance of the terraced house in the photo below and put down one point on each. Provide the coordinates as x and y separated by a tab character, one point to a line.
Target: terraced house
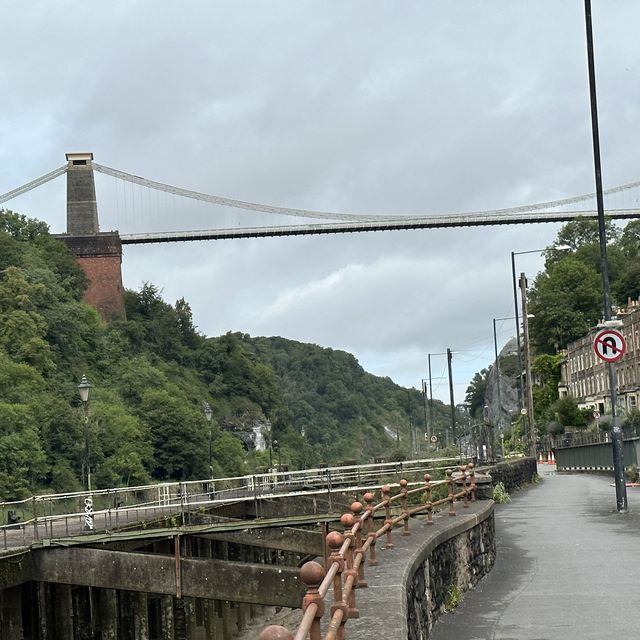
584	375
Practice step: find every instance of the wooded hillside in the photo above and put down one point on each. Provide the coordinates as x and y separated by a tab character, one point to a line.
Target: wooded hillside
150	376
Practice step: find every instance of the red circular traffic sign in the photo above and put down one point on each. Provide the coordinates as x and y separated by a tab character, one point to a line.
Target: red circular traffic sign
609	345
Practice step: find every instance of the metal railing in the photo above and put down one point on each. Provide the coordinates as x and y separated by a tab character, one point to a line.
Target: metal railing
63	514
581	438
344	570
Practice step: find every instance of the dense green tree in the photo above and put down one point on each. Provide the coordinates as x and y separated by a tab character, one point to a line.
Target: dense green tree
565	302
476	390
579	233
177	434
22	460
150	374
546	370
566	412
629	242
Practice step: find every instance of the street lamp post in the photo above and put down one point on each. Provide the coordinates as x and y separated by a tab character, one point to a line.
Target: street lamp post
527	359
560	247
208	413
528	399
616	443
276	448
495	351
84	389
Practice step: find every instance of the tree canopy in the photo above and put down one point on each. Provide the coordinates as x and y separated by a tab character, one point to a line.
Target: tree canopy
151	373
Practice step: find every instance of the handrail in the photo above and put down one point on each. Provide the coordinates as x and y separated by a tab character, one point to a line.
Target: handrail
65	511
345	564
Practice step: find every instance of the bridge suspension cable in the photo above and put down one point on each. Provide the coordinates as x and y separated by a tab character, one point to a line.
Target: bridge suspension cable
364	217
227	202
347	222
14	193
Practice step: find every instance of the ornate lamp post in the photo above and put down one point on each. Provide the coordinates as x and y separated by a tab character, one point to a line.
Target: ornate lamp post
208	413
84	389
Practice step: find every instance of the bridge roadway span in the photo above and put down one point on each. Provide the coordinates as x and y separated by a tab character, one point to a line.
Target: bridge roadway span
567	566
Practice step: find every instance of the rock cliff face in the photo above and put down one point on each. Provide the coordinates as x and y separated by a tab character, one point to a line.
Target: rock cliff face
501	405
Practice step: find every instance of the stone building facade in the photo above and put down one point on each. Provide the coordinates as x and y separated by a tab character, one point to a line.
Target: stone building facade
584	376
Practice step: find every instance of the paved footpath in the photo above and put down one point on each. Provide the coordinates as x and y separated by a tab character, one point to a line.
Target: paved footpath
567	567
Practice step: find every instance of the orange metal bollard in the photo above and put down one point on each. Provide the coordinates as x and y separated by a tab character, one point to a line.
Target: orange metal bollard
356	509
452	509
405	507
427	493
348	521
312	575
275	632
463	478
387	515
472	473
335	541
373	561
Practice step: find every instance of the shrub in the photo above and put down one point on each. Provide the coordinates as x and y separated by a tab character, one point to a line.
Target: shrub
500	494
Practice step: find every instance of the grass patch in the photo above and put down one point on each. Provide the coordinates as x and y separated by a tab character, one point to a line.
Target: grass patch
454	597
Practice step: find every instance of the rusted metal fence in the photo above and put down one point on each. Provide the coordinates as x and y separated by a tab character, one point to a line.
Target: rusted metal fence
343	572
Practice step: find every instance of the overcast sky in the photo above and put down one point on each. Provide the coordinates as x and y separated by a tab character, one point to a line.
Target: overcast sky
389	107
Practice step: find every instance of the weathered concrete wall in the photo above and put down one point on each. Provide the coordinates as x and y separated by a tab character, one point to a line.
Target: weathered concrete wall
465	555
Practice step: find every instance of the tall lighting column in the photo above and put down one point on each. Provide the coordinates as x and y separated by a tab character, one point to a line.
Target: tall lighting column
495	350
208	414
616	436
514	282
533	438
84	389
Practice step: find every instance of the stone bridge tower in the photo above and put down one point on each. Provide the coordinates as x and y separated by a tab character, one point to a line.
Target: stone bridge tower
99	254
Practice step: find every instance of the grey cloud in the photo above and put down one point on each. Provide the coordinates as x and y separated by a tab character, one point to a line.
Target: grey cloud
351	106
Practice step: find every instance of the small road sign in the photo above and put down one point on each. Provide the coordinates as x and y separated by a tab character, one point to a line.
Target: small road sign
609	345
434	438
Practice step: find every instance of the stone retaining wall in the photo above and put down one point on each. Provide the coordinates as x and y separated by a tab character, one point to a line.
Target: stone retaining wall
513	474
442	572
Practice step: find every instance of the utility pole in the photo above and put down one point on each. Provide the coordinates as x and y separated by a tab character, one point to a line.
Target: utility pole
616	436
427	426
430	395
527	367
453	406
414	443
499	425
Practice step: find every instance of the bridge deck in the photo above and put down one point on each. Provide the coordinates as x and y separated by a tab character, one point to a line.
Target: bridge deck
567	567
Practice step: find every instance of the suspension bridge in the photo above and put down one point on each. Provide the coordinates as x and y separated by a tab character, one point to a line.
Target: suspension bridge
138	201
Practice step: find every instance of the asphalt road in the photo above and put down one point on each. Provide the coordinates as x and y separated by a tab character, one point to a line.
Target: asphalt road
568	567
